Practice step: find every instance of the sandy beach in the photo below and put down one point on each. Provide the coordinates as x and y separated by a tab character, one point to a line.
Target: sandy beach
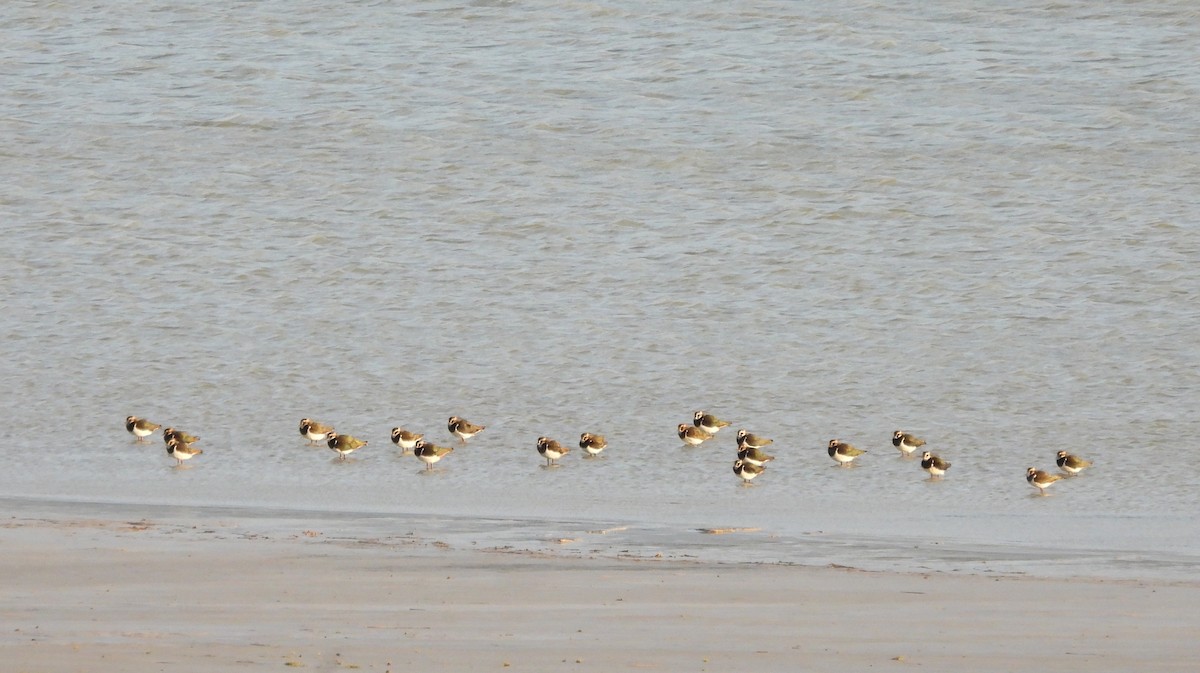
96	594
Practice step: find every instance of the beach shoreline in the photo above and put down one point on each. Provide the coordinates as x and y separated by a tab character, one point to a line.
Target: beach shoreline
969	547
101	593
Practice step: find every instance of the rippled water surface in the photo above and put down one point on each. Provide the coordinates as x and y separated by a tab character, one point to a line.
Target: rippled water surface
975	224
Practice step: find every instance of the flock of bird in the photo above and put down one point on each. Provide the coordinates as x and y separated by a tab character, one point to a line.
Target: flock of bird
750	462
751	459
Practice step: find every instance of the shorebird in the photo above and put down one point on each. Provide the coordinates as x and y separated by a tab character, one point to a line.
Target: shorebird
405	440
343	444
906	443
140	427
551	450
745	470
745	439
843	453
430	453
181	451
592	444
1070	464
462	429
314	431
172	433
692	435
709	423
934	465
753	456
1041	480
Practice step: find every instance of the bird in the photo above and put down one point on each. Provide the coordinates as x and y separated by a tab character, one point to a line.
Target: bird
708	423
745	439
140	427
692	435
843	453
934	465
551	450
592	444
462	429
314	431
1070	464
754	456
906	443
746	471
405	440
172	433
343	444
180	451
430	453
1040	480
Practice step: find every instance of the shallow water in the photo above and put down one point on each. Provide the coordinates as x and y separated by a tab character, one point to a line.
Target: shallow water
974	225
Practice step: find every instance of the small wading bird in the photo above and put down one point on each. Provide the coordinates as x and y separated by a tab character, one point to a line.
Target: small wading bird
430	453
745	470
140	427
551	450
592	444
753	456
747	440
906	443
405	440
934	465
843	453
1041	480
708	423
692	435
181	452
462	429
314	431
172	433
1072	465
343	444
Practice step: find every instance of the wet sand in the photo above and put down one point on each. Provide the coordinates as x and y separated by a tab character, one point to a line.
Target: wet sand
97	594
